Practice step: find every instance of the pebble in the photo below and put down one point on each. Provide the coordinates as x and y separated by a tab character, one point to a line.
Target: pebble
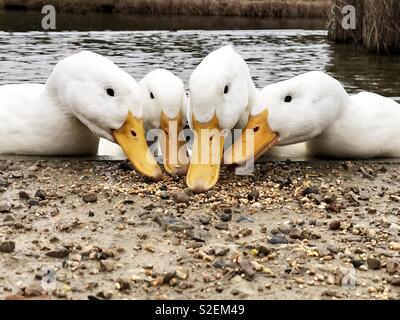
34	290
277	240
219	264
335	225
357	263
333	248
169	276
24	195
5	208
4	183
40	194
253	195
7	247
222	226
374	264
90	197
106	266
310	190
182	197
220	252
226	217
393	246
204	220
395	282
9	218
393	267
58	253
263	250
245	219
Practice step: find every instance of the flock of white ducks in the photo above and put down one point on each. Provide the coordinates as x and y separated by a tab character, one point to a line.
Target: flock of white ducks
87	97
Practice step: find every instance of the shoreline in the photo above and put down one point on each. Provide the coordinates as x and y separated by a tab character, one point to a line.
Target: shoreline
305	9
318	230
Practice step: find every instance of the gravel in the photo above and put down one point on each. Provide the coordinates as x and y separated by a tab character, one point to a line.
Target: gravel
293	230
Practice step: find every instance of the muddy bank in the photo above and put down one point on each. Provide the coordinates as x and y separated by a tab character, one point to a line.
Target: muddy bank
97	230
261	8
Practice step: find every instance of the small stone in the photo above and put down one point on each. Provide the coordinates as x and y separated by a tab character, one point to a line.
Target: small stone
24	195
393	246
164	195
392	267
245	219
310	190
222	226
123	285
33	291
182	197
4	183
277	240
357	263
263	250
169	276
33	203
7	247
181	274
219	264
106	266
253	195
204	220
374	264
220	252
333	248
395	282
58	253
226	217
5	208
335	225
90	197
9	218
41	195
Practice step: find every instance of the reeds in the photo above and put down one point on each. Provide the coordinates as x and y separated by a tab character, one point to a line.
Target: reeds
377	25
253	8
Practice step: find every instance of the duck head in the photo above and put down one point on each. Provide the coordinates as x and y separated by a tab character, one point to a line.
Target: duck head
107	101
221	91
289	112
164	104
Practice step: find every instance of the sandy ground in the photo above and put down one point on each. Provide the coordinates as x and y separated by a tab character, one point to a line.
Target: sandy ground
301	230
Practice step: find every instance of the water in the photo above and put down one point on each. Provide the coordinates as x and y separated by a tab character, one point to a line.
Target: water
274	49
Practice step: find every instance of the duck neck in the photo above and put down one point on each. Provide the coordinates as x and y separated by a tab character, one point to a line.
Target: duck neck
253	96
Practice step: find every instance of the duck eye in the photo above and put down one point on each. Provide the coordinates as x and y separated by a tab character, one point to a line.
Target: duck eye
151	95
110	92
226	89
133	133
256	129
288	99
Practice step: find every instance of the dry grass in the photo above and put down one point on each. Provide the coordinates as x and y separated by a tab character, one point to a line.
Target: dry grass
381	30
253	8
378	25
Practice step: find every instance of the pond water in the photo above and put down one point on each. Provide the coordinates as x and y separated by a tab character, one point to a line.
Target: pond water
274	49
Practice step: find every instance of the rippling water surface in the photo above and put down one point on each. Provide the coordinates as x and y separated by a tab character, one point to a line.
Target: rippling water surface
272	55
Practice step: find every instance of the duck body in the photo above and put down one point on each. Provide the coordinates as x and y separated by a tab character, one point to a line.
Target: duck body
33	124
366	128
314	110
86	97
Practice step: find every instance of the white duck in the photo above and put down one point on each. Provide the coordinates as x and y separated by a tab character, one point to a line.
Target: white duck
164	107
85	97
315	108
222	94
